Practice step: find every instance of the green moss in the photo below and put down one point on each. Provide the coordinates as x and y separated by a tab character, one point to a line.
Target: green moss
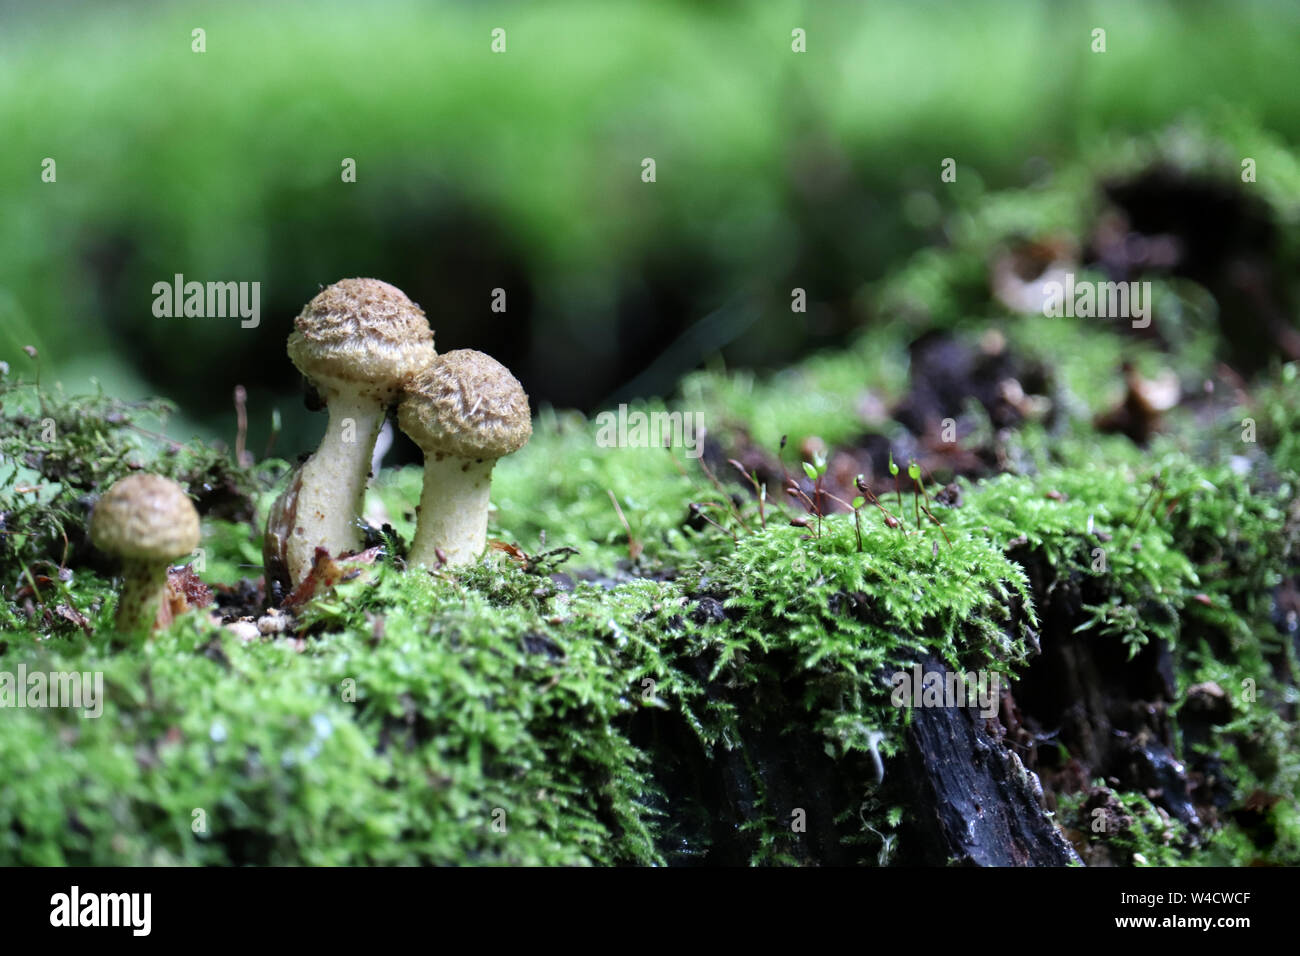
58	451
467	731
1126	827
555	700
1275	413
557	493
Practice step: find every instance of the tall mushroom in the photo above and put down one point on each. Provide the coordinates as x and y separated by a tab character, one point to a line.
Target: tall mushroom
147	521
357	342
465	411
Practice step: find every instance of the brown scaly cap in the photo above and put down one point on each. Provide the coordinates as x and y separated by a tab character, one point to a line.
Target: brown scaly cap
466	404
361	332
145	517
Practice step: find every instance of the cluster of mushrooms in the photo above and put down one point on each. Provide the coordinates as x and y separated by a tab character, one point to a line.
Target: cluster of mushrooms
364	346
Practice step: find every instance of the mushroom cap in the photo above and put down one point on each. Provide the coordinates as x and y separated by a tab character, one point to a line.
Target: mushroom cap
145	517
363	335
466	404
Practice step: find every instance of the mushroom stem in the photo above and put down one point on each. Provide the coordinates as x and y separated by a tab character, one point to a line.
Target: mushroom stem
334	483
453	511
143	600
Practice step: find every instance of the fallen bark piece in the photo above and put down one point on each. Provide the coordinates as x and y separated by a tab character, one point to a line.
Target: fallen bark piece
973	801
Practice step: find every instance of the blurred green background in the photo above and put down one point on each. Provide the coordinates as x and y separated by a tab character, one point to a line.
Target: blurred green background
522	170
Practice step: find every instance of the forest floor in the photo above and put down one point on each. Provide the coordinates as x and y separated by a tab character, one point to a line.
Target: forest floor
693	654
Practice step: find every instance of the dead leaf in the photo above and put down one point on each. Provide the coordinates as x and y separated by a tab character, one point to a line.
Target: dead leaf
327	572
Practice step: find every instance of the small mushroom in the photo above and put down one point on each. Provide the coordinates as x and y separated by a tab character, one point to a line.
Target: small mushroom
147	521
465	411
357	342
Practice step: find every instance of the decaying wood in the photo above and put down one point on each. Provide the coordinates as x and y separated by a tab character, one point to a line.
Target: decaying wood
973	801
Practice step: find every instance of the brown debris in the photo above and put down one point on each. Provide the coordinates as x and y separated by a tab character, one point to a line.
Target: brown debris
326	572
185	591
1018	275
1139	414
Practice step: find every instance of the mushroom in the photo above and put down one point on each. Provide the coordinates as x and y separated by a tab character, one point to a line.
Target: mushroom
465	411
357	342
147	521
